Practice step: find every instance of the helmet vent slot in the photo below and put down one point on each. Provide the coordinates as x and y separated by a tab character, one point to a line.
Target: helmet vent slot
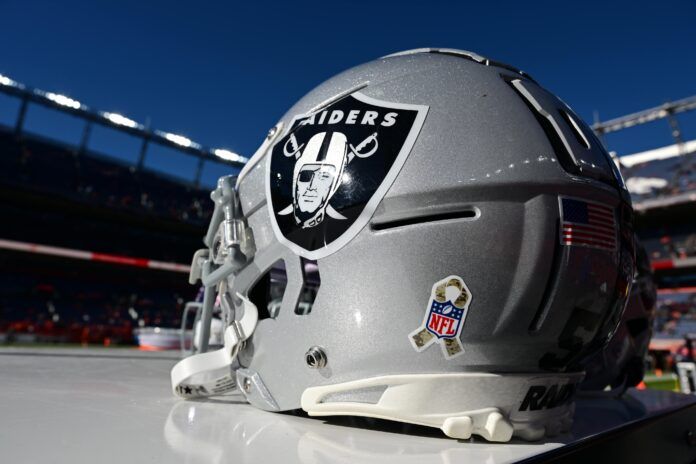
470	213
310	287
564	157
577	132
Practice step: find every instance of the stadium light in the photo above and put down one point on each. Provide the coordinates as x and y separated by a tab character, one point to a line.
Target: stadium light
62	100
120	120
179	140
4	80
229	155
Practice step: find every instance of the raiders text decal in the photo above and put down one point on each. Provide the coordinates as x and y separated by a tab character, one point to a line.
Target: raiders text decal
331	169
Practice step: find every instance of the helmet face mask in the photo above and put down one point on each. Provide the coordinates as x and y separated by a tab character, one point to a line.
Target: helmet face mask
448	202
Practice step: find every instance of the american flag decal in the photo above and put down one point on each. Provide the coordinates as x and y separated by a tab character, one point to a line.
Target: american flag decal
588	224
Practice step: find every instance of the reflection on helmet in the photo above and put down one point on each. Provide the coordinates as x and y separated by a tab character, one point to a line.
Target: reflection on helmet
209	433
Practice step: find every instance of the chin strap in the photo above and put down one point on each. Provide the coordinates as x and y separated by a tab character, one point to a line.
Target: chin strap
209	374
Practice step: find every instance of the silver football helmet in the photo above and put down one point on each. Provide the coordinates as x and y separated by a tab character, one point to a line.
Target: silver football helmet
431	197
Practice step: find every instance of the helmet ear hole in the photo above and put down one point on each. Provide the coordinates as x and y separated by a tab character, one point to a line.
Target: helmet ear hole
310	287
267	293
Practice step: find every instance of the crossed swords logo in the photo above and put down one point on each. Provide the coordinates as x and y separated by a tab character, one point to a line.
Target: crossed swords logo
318	173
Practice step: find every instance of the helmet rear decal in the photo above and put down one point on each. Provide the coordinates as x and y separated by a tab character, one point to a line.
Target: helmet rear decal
331	169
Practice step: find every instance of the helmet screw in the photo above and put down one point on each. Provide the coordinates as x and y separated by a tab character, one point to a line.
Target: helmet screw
315	357
246	385
272	132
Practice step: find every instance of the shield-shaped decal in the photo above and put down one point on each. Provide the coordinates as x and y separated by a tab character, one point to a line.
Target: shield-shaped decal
330	170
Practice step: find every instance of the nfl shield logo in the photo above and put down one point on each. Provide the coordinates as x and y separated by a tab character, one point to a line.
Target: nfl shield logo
444	317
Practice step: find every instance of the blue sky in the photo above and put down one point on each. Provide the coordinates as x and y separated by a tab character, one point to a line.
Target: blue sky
222	73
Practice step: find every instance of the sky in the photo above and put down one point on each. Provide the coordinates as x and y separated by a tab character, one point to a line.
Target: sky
223	73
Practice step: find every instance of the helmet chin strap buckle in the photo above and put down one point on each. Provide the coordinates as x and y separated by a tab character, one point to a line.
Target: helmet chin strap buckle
210	374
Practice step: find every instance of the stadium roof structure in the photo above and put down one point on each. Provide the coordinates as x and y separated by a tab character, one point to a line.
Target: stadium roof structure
683	152
118	122
667	110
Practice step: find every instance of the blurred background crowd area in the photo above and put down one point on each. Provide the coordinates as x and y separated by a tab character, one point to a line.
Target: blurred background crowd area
97	182
676	243
675	314
44	300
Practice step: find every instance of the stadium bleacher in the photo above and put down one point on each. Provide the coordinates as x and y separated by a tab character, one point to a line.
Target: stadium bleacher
47	167
676	315
75	301
673	242
50	194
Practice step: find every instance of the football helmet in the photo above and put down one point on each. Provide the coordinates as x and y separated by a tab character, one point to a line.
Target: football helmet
430	197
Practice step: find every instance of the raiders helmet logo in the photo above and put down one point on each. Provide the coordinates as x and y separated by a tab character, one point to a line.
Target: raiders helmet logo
330	170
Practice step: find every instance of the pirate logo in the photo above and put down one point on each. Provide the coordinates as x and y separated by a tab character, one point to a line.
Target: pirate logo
444	317
318	174
329	172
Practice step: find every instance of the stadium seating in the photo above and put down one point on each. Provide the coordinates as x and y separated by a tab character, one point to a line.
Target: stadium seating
49	168
51	195
674	243
81	302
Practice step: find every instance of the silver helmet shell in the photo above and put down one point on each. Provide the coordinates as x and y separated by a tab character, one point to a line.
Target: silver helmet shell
461	186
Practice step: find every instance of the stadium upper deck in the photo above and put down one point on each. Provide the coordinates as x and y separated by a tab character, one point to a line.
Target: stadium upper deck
58	195
70	106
